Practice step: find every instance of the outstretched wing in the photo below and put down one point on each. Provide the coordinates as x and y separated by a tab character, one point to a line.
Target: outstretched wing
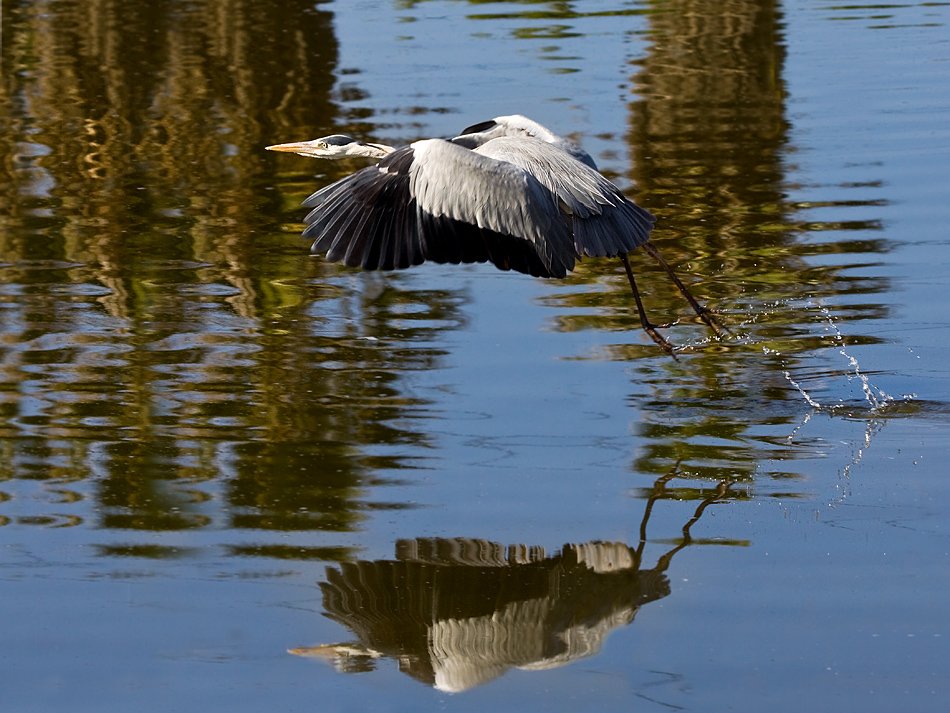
605	222
437	201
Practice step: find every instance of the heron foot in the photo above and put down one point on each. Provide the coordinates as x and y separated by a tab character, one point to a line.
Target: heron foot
703	312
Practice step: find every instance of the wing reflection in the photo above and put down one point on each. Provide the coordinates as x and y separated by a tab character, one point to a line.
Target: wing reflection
457	613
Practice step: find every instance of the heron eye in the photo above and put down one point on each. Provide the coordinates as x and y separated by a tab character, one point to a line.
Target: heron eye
323	145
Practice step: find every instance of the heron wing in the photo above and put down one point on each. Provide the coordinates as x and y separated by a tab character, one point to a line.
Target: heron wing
469	190
437	201
605	222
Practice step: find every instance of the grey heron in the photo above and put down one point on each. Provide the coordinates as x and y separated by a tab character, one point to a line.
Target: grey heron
506	191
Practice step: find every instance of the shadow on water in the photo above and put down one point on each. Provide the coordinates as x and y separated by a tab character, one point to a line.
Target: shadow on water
458	613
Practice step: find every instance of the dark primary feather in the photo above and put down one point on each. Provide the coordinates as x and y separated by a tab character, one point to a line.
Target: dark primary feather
375	220
519	203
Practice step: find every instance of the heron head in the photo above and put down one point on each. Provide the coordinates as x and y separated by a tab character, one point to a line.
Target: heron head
514	125
518	126
334	146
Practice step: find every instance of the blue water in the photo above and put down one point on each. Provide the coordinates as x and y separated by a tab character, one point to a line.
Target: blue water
235	477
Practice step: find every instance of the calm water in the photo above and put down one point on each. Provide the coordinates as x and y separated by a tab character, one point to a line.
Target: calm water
235	477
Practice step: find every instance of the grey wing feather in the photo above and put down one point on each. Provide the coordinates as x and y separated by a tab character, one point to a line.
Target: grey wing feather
437	201
463	186
605	222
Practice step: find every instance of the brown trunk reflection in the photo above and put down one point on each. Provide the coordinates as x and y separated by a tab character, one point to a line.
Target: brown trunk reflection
161	338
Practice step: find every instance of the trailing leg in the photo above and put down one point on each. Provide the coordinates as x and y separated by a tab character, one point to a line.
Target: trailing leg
702	312
644	321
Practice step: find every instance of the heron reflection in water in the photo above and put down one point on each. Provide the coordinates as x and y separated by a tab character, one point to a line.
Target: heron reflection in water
458	613
506	191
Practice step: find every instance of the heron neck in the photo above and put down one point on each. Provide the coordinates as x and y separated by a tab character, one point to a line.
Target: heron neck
373	150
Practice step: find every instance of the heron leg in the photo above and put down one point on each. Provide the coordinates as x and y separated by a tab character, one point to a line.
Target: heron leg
647	325
702	312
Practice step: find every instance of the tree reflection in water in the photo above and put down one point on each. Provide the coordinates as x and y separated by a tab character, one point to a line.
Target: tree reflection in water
457	613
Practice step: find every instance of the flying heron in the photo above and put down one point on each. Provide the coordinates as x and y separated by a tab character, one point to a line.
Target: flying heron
506	191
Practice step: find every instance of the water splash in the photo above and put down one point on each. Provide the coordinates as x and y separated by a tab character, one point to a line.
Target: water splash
808	397
876	397
871	428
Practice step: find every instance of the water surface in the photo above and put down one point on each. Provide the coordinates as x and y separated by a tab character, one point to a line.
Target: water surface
235	476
